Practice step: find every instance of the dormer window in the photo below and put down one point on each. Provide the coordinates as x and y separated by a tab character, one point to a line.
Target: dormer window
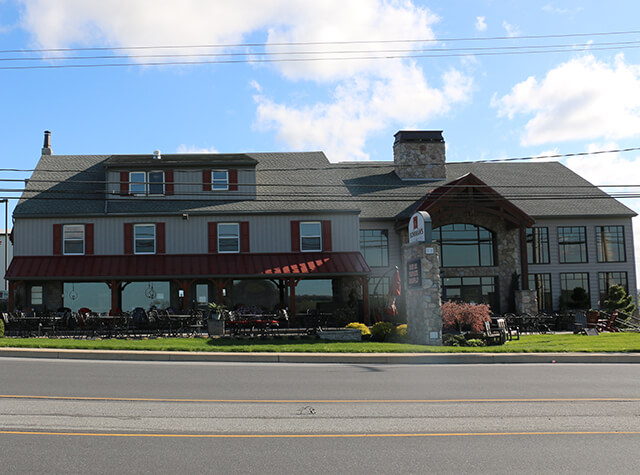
146	183
220	179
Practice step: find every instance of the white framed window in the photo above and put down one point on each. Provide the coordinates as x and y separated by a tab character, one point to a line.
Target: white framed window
73	239
144	238
311	236
219	179
228	237
146	183
37	295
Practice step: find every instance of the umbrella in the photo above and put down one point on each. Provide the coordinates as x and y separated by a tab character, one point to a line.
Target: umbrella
395	290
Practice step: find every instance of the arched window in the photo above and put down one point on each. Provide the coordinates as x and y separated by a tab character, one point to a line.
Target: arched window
464	245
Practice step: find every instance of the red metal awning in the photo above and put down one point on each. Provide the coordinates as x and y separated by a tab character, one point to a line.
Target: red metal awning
137	267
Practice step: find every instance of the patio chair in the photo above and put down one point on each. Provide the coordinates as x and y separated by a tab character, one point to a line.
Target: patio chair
493	337
512	333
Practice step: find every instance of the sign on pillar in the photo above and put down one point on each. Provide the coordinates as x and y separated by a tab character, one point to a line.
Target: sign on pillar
421	261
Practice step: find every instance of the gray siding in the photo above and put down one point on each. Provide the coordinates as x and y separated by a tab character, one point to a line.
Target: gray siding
188	186
268	233
592	267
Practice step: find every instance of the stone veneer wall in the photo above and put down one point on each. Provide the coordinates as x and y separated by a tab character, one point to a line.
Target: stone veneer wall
526	302
507	252
424	317
419	160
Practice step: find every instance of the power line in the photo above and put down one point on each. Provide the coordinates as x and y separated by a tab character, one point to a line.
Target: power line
300	60
352	165
280	53
321	43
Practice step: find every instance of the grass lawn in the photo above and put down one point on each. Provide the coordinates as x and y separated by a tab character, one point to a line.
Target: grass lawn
605	342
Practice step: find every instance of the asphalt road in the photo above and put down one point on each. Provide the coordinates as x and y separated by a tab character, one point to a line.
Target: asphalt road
105	417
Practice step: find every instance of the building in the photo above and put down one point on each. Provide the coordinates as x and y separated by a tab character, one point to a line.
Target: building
112	232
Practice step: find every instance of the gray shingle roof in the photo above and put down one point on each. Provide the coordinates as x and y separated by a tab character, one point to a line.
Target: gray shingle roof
540	189
307	182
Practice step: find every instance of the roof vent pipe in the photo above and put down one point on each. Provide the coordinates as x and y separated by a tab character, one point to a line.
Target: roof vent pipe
157	155
46	147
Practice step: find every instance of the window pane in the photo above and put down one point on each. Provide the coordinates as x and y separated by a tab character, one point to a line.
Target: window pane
465	245
228	237
538	246
607	279
73	239
95	296
36	295
146	295
310	236
471	289
610	243
574	290
541	283
314	294
156	183
137	184
572	242
219	180
145	238
374	246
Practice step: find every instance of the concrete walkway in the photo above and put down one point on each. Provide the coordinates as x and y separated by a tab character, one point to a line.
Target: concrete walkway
346	358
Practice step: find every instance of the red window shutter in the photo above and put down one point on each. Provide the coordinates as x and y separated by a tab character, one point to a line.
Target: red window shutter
88	239
57	239
233	179
160	238
244	236
128	238
326	236
168	182
206	180
213	237
295	236
124	183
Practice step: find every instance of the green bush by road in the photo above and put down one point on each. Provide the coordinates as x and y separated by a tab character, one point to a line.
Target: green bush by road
605	342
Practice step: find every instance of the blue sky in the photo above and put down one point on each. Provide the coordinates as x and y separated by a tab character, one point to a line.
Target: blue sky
585	97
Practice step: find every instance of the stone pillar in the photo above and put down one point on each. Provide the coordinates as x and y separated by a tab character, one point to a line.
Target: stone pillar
526	302
422	293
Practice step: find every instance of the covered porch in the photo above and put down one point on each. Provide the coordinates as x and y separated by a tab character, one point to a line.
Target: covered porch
112	284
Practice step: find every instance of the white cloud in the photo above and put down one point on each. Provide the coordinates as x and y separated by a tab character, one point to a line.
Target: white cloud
193	149
205	22
481	24
367	94
512	30
360	107
581	99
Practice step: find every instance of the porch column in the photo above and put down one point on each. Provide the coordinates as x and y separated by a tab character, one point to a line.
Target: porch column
524	260
220	286
185	286
116	288
12	295
292	296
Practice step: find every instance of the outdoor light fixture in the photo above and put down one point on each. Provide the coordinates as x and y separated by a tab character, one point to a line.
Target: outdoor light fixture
185	216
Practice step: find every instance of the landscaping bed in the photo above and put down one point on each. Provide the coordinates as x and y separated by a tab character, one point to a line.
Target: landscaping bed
626	342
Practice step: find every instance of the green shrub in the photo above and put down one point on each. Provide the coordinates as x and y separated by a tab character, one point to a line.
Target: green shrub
475	342
360	326
1	328
460	340
381	330
401	330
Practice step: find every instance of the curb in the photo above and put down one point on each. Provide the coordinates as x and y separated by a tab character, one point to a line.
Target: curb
336	358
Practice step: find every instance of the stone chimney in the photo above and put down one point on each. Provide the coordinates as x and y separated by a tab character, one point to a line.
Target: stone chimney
46	148
419	155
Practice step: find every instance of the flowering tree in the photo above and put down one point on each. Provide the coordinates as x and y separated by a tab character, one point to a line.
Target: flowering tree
461	315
